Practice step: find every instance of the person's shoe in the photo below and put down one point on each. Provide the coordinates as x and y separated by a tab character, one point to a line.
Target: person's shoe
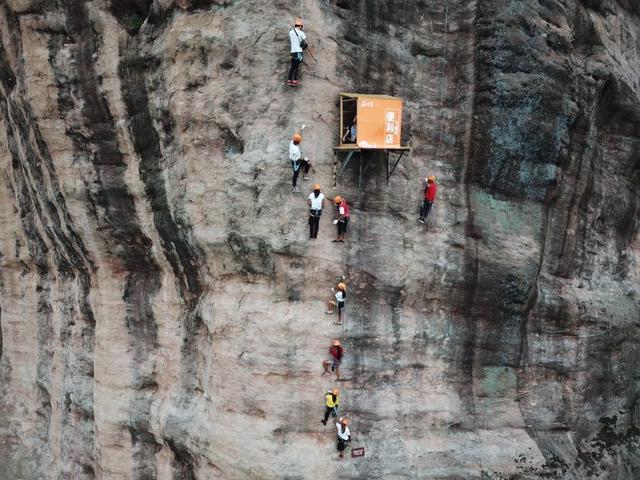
290	83
329	312
323	422
306	177
295	189
421	220
296	83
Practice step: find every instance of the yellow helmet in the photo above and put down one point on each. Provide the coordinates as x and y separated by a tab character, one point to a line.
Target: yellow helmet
342	286
297	137
337	200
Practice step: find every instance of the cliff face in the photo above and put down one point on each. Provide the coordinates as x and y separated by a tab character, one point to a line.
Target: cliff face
162	309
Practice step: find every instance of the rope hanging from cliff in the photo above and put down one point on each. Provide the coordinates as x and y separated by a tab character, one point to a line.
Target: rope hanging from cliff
442	77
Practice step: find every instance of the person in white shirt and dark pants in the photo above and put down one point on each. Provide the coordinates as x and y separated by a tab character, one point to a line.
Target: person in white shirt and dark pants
296	161
298	40
316	202
344	435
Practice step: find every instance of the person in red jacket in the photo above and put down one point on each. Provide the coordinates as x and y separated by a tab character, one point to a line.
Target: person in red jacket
342	210
429	197
337	353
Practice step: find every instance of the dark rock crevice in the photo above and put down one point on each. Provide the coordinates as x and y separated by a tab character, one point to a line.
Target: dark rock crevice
92	130
183	254
59	257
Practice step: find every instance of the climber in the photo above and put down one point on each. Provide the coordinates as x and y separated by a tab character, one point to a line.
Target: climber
305	165
340	294
316	202
429	197
296	162
331	405
344	435
342	221
351	133
298	41
337	353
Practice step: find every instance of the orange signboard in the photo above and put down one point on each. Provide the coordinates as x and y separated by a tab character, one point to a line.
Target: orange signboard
379	122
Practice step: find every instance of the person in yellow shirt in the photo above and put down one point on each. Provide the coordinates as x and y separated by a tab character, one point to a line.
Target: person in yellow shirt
331	405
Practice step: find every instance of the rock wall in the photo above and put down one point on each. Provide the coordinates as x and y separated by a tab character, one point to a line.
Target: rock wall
161	309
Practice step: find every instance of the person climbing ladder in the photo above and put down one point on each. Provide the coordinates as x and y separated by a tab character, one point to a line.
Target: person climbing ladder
316	202
342	210
344	435
340	294
298	41
337	354
429	198
331	405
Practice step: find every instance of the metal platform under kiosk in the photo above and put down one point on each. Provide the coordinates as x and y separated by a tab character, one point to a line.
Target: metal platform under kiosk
343	154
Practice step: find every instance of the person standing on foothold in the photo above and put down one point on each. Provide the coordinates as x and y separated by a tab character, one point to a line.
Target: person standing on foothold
337	354
340	294
294	158
331	405
316	202
344	435
298	41
429	197
351	134
342	221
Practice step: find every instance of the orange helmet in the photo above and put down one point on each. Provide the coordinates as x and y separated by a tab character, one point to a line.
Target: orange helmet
344	421
337	200
335	391
336	343
431	179
297	137
342	286
316	186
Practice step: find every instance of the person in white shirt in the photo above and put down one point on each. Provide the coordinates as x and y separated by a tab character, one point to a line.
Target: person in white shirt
344	435
316	202
351	134
298	41
294	158
340	295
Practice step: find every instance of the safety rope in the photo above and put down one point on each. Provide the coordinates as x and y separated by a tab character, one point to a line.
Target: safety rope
442	78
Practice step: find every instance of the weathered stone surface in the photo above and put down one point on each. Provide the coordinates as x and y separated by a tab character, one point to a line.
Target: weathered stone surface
161	309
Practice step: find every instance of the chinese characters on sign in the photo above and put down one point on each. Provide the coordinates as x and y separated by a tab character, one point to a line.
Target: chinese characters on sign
392	128
357	452
379	122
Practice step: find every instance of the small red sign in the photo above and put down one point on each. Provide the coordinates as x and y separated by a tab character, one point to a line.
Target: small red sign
357	452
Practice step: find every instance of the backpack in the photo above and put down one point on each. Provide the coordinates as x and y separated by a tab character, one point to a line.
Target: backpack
303	43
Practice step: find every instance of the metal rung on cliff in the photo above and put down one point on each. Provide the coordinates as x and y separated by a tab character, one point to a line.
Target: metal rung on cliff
369	125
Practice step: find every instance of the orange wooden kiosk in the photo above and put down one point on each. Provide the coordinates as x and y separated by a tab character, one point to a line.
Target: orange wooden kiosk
369	123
